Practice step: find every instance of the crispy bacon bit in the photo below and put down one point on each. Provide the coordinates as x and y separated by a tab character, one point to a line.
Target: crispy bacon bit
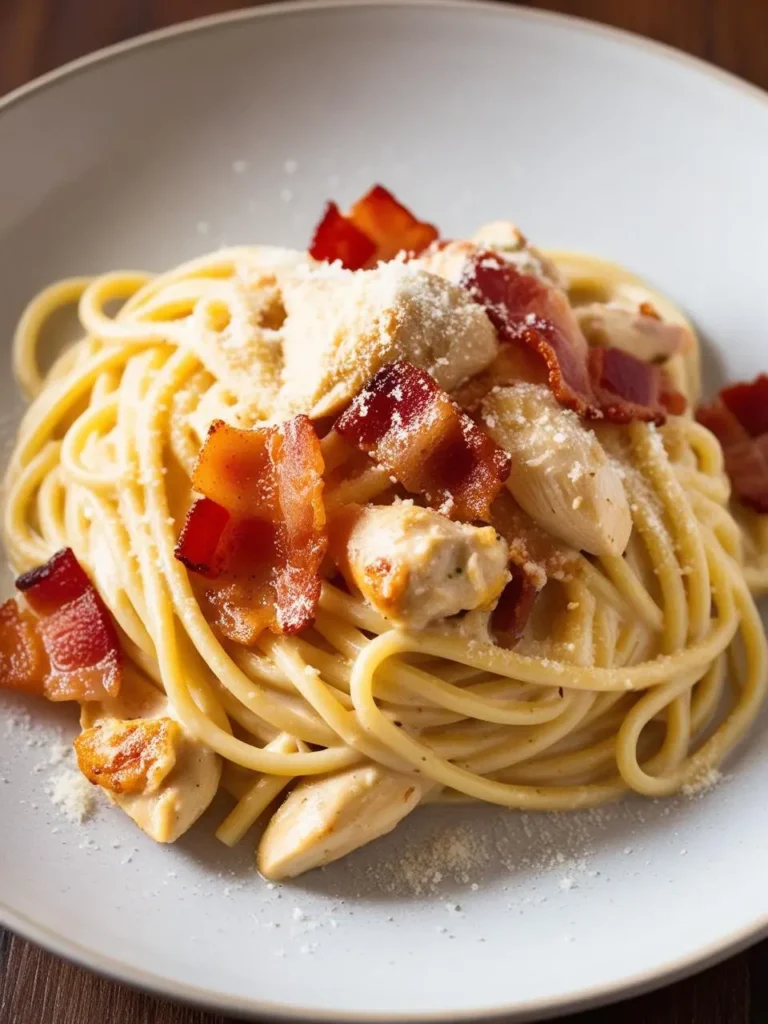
66	647
404	421
23	662
528	312
625	388
337	238
523	308
648	309
54	584
748	401
739	420
262	537
200	537
391	226
376	229
514	607
128	756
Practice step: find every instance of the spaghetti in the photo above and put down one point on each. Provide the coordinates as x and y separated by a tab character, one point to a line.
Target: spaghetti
639	669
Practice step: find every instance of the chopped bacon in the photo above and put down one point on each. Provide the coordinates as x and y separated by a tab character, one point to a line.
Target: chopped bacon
528	312
23	661
66	646
513	609
259	531
739	420
200	537
376	229
86	662
748	401
404	421
649	310
624	387
128	756
337	238
54	584
391	226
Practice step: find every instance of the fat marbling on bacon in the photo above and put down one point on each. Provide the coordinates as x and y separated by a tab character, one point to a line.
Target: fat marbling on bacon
739	420
600	383
64	644
376	229
409	425
259	532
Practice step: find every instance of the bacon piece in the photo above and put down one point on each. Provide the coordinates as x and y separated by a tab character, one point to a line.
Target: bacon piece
81	657
128	756
522	308
263	537
200	537
648	309
748	401
376	229
407	424
391	227
337	238
739	420
23	661
48	587
513	609
597	384
625	388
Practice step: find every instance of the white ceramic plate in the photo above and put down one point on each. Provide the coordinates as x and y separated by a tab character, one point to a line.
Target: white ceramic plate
237	130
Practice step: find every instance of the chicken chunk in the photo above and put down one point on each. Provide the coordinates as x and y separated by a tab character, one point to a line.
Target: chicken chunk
561	475
171	779
326	818
343	326
417	567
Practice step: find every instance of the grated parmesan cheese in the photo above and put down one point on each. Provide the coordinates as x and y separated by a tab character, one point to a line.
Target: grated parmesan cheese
72	794
342	326
702	783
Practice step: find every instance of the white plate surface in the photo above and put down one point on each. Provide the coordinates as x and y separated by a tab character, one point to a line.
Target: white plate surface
237	130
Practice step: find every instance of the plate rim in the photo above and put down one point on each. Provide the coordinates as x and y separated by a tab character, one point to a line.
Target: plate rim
247	1007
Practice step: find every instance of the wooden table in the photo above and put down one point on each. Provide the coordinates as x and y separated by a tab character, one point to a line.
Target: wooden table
37	35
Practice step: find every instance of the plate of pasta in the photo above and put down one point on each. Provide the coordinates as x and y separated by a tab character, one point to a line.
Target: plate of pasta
382	635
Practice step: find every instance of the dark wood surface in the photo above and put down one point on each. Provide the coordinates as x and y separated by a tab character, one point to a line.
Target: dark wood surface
37	35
